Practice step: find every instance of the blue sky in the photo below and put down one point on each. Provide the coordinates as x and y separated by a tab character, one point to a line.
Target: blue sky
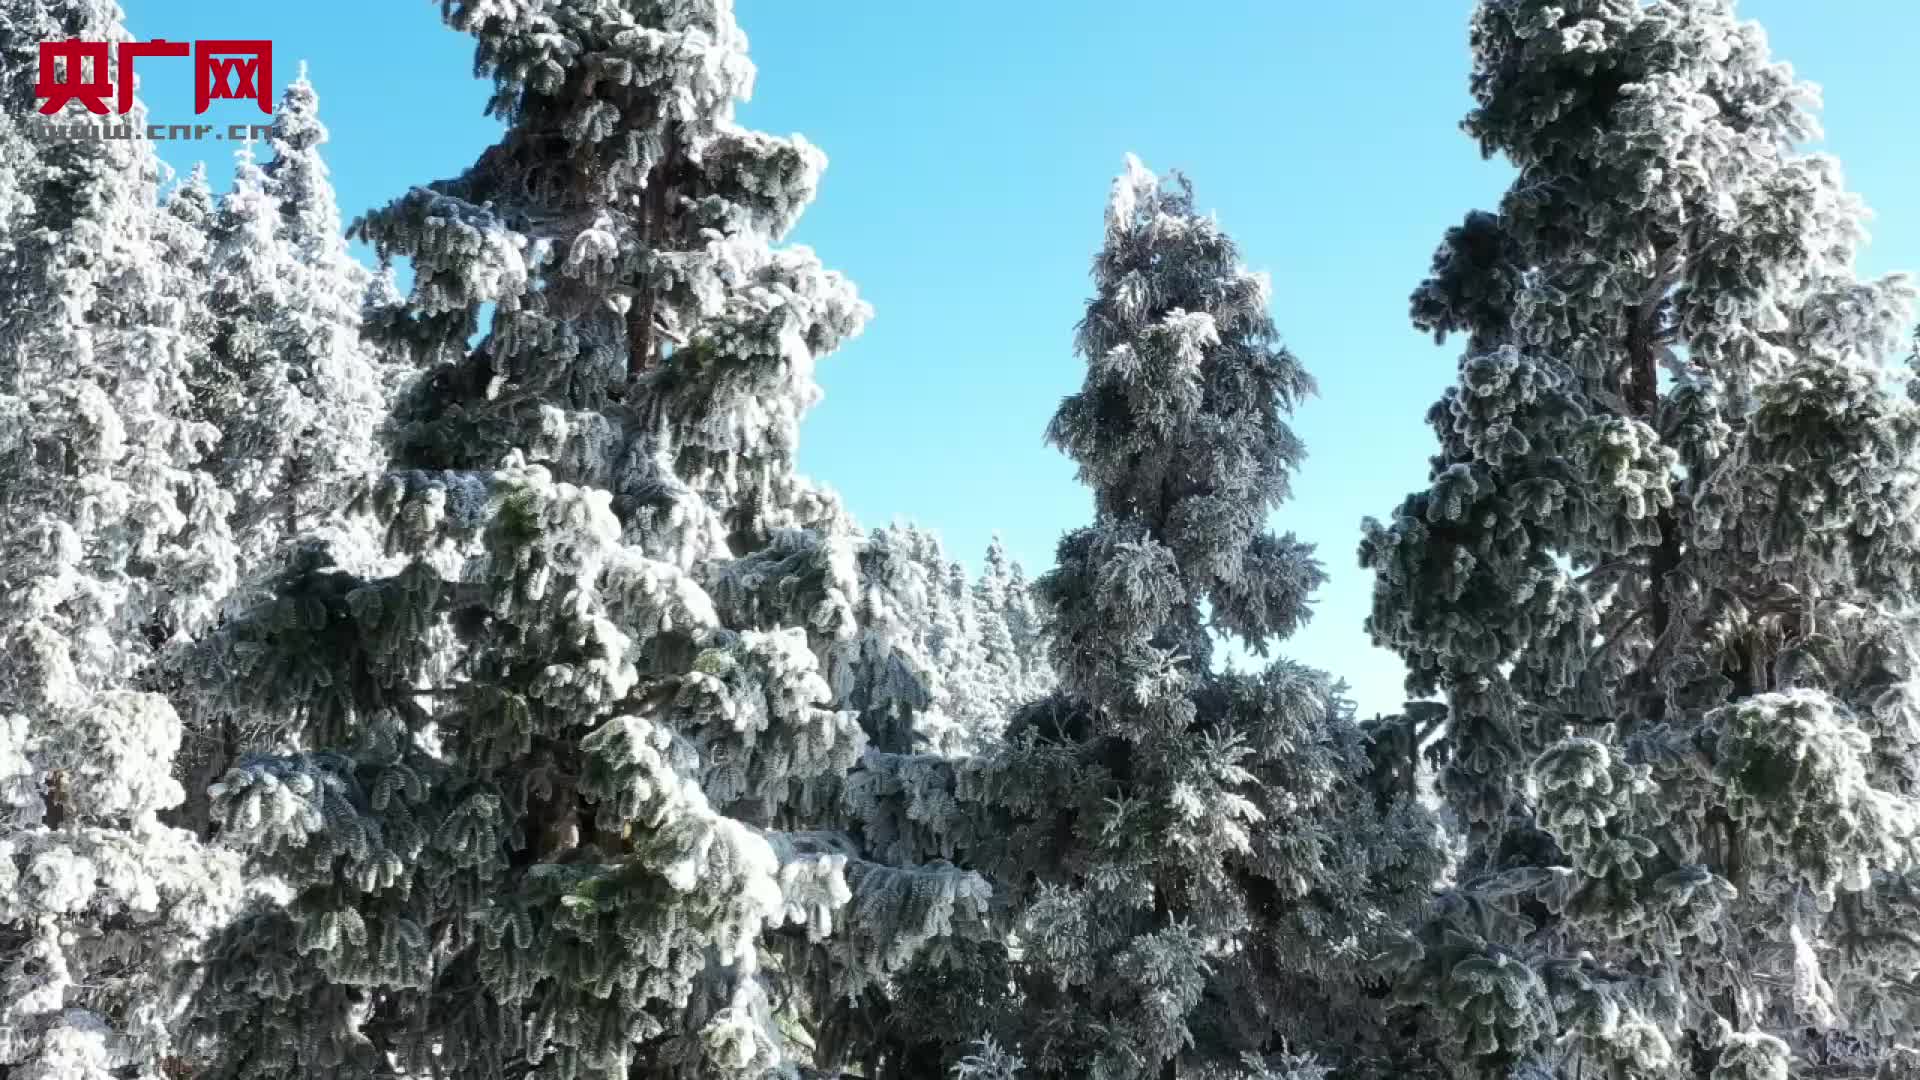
971	147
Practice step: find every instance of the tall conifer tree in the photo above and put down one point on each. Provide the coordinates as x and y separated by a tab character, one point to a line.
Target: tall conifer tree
1192	866
288	382
1663	571
577	734
293	388
115	545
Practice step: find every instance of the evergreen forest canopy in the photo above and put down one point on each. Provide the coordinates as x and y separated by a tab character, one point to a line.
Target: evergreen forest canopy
460	682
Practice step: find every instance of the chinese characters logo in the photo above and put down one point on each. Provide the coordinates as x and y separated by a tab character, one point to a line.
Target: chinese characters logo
75	70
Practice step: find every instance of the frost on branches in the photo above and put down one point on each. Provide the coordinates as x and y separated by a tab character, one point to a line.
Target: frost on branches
116	544
1192	869
1011	667
290	385
569	798
1662	574
944	661
286	380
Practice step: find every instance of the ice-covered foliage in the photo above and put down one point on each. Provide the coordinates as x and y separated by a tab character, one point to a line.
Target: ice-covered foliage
1663	572
1008	667
527	850
941	662
286	380
115	543
1190	867
570	798
294	391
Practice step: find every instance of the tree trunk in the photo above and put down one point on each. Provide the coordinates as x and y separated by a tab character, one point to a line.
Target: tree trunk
1644	397
643	344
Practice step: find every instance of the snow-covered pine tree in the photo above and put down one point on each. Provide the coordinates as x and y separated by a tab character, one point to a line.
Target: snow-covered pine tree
292	387
967	704
294	391
1024	622
953	647
187	238
1663	574
115	544
902	666
956	637
950	628
240	388
1009	632
339	373
577	736
929	703
1194	870
995	676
